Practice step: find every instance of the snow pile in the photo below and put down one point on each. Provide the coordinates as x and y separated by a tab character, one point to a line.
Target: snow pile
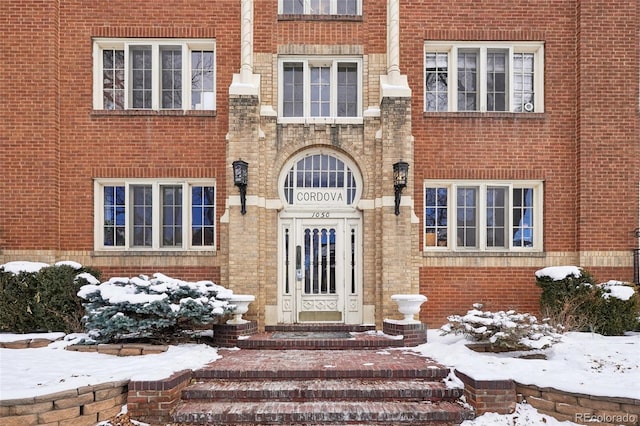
559	273
616	289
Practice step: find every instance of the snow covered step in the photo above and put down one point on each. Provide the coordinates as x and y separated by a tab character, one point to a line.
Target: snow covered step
301	390
320	412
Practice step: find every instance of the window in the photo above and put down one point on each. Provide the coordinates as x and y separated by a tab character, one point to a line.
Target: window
483	216
321	90
145	214
320	7
484	77
154	75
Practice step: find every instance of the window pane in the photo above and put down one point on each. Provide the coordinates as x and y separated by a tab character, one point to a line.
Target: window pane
467	81
113	79
436	204
171	90
436	81
347	90
202	215
142	212
114	219
320	7
496	216
293	90
202	95
523	225
523	82
293	7
320	91
347	7
141	76
496	81
171	197
467	220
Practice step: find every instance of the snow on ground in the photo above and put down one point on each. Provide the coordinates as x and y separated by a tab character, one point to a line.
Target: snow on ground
582	362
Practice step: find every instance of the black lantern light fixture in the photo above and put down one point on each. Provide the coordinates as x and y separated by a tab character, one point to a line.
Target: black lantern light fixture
400	176
240	177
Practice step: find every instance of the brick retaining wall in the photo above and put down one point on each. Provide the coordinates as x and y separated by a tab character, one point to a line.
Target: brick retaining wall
86	405
501	396
581	408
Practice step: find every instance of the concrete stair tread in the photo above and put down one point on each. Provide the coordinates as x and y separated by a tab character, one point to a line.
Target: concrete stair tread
336	412
334	389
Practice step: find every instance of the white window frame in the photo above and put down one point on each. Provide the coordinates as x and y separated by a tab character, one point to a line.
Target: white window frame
307	63
452	48
155	184
186	45
332	4
481	215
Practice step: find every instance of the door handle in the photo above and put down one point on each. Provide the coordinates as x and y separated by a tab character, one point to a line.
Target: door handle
299	263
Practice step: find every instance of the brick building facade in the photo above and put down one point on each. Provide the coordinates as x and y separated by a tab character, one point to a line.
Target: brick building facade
520	126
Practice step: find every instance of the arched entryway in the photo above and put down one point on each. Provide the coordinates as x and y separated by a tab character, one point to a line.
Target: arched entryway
320	240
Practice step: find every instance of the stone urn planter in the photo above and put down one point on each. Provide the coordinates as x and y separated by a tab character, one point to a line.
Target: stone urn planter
409	305
241	303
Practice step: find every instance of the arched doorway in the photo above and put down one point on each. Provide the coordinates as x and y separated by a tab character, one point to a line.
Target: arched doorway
320	240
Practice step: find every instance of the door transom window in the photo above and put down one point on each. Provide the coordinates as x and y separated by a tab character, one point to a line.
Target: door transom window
320	179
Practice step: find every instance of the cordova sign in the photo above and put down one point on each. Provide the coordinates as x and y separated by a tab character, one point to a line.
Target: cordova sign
319	196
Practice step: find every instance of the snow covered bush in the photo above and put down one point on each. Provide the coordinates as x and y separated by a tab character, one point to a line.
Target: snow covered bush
570	297
502	330
617	308
36	296
158	309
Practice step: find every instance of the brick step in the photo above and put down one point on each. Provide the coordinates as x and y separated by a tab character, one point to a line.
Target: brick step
320	412
320	327
315	339
302	390
320	364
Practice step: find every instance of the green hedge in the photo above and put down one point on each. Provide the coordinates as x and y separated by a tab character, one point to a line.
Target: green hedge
43	301
578	304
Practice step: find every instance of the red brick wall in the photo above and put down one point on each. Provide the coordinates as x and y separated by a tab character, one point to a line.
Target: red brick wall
608	123
491	146
29	200
454	290
149	146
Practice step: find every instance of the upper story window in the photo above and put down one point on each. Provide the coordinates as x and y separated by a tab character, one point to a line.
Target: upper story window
484	77
320	7
152	215
153	74
320	90
483	216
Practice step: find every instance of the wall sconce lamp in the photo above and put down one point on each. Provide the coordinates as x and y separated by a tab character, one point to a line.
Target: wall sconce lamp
240	177
400	176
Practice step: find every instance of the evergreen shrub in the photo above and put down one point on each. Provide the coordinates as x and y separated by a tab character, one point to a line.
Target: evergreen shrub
502	330
45	300
158	309
574	301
